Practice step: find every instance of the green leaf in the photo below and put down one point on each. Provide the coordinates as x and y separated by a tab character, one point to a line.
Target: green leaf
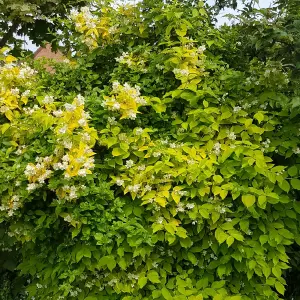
230	241
166	294
293	171
209	43
259	117
295	184
244	225
279	287
248	200
220	235
217	178
276	271
192	258
153	276
262	200
296	205
111	263
117	152
284	185
142	281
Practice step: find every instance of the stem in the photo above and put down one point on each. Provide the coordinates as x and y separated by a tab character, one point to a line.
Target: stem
9	34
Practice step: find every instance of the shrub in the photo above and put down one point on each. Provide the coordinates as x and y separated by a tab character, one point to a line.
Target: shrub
173	175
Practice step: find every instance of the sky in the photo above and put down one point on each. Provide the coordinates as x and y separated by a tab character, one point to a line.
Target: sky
221	19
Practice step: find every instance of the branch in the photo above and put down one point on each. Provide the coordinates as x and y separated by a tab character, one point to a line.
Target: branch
9	33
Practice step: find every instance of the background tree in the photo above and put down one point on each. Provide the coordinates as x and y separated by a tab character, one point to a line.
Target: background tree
36	19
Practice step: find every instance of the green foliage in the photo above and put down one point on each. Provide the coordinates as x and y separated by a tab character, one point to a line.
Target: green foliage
194	186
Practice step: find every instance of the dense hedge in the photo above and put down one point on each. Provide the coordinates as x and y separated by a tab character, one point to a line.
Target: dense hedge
151	165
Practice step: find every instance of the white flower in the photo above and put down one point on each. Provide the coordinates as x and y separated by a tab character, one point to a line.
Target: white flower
80	99
155	264
39	286
82	122
112	120
70	107
148	188
4	109
15	91
180	207
217	148
68	144
190	205
63	129
26	93
181	72
228	220
172	145
112	282
57	113
133	276
201	49
60	166
132	115
48	100
156	154
231	136
141	167
296	151
86	137
82	172
30	170
159	67
115	85
139	131
32	186
68	218
134	188
66	157
116	106
19	151
129	163
159	220
119	182
236	109
222	210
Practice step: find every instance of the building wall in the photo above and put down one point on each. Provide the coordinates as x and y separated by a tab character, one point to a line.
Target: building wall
48	53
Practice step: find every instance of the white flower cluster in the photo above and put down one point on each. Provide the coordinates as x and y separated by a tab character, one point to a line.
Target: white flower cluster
236	109
217	148
12	206
231	136
266	145
181	72
125	59
134	188
220	209
296	151
129	94
201	49
71	190
26	72
132	276
48	100
30	111
40	171
90	20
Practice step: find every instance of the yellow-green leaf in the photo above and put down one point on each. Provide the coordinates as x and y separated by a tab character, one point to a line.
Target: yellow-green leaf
248	200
